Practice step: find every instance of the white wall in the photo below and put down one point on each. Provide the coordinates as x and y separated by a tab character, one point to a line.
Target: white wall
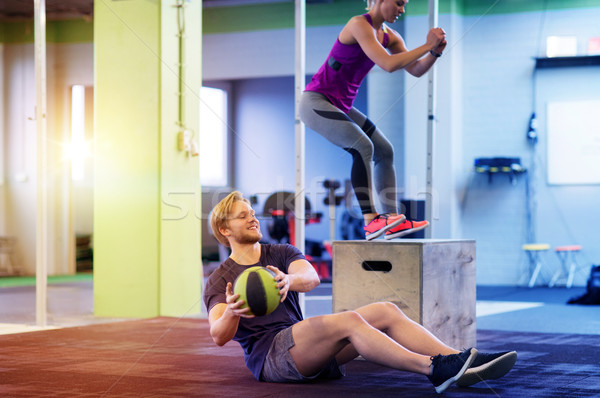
70	202
73	64
447	149
19	211
2	144
263	54
67	64
498	99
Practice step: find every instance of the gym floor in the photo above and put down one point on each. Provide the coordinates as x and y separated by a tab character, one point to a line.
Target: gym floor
509	308
503	308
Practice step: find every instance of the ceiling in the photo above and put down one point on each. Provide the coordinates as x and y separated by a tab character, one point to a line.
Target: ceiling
55	9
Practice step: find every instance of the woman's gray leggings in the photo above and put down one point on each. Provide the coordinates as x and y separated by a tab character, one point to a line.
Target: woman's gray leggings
372	153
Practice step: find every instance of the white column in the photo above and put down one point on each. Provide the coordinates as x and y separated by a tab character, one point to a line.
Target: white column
41	223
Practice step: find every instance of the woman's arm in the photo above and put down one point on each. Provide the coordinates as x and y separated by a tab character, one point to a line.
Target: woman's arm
358	30
422	65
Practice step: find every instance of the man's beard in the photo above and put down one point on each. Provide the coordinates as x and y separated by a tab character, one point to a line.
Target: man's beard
246	238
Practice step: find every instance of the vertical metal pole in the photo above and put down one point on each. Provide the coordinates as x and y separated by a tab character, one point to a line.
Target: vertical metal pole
41	230
332	217
300	130
1	117
299	207
433	22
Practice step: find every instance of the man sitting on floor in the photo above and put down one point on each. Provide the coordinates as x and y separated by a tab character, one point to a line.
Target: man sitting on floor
284	347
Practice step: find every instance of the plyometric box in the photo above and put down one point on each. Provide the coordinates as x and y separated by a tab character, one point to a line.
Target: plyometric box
432	281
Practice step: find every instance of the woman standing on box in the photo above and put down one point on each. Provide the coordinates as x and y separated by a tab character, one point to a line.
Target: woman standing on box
326	106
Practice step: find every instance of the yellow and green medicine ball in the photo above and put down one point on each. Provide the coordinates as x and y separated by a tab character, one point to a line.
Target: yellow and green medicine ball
258	289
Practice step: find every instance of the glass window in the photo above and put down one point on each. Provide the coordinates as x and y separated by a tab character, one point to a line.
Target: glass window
213	137
77	132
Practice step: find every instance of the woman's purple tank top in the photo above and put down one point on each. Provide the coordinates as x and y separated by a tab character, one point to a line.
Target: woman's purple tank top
341	75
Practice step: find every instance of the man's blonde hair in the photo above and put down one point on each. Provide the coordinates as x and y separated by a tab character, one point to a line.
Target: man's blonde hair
221	215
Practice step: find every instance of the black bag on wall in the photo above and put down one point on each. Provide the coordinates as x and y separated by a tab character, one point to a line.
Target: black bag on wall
592	295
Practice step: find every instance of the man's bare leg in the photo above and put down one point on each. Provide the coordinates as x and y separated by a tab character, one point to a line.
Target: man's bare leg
319	339
390	319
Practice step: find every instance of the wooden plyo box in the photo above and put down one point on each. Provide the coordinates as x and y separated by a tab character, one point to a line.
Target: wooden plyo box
432	281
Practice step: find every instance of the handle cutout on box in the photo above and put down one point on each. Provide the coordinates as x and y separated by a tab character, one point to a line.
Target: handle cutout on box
381	266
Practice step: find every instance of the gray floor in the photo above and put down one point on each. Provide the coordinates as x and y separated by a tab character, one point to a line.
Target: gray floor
69	304
498	308
552	315
510	308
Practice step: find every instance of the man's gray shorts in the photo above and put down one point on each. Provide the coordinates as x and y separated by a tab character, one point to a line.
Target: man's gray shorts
279	366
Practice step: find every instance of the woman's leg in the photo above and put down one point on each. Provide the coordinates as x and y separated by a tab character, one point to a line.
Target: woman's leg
384	172
327	120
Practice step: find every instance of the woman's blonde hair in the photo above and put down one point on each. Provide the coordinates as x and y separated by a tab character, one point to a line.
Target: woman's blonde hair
220	215
370	3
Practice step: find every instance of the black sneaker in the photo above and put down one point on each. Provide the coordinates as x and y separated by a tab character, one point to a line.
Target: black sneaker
488	367
449	368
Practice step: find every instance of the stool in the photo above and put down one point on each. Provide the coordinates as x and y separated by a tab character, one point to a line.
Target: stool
535	262
567	256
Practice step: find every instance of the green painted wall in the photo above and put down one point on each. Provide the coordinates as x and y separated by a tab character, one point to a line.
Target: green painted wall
277	16
180	257
281	15
146	261
481	7
127	159
67	31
